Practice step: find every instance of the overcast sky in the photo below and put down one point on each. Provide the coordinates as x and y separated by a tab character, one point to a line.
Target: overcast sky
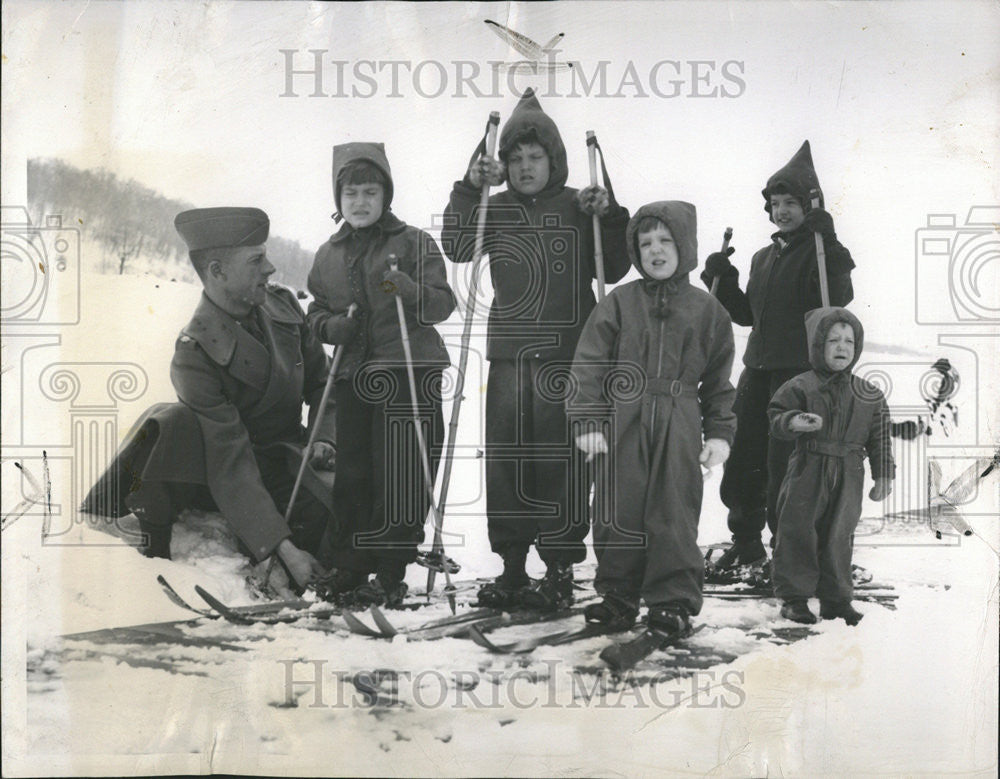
899	100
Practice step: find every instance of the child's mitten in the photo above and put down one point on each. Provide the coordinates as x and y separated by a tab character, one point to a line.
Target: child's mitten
819	221
592	444
804	422
395	282
715	452
486	169
881	489
593	200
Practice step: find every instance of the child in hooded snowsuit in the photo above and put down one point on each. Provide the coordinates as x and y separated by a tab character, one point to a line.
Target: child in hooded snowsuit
379	494
653	367
539	238
835	418
783	286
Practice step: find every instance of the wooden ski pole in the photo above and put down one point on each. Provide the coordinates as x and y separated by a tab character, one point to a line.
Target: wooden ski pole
726	237
463	359
824	285
425	463
598	245
309	444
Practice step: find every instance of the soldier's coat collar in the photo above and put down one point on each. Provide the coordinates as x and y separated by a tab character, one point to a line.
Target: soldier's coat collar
217	332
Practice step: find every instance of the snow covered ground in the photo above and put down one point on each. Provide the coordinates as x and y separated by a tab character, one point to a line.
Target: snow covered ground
910	691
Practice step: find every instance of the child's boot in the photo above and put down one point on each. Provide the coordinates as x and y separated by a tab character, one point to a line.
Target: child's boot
797	610
833	609
554	591
616	612
386	589
670	619
744	551
507	590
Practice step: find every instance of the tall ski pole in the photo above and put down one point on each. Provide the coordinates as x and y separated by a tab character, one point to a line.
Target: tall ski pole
598	245
726	238
309	444
824	287
437	549
425	463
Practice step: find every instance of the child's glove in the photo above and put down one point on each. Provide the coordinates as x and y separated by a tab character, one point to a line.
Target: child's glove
819	221
395	282
881	490
323	456
486	169
805	423
592	444
714	452
718	264
593	200
340	330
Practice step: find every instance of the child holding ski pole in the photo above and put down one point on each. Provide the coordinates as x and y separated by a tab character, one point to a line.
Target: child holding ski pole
669	412
541	251
784	284
835	419
379	495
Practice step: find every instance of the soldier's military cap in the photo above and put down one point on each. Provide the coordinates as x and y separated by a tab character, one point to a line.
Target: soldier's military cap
217	228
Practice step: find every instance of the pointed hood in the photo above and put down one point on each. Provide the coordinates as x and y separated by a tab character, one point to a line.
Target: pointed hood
818	324
345	153
529	122
798	176
682	221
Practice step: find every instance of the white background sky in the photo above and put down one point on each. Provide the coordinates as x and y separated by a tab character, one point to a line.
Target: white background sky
899	100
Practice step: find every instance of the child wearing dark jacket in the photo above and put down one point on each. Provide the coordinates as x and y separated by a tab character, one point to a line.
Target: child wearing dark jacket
380	496
652	369
783	286
539	238
835	418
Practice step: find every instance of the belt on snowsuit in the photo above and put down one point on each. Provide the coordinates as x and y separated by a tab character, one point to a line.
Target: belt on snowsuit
672	387
834	448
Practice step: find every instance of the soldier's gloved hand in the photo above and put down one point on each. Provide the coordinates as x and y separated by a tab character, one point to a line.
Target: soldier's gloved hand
487	169
881	490
804	422
592	444
323	456
593	200
714	452
301	565
395	282
819	221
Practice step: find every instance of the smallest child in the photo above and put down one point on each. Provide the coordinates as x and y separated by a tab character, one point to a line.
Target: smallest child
835	418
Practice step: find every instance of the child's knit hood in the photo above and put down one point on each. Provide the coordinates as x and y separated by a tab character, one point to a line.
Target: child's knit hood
818	324
682	221
798	176
529	116
370	152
